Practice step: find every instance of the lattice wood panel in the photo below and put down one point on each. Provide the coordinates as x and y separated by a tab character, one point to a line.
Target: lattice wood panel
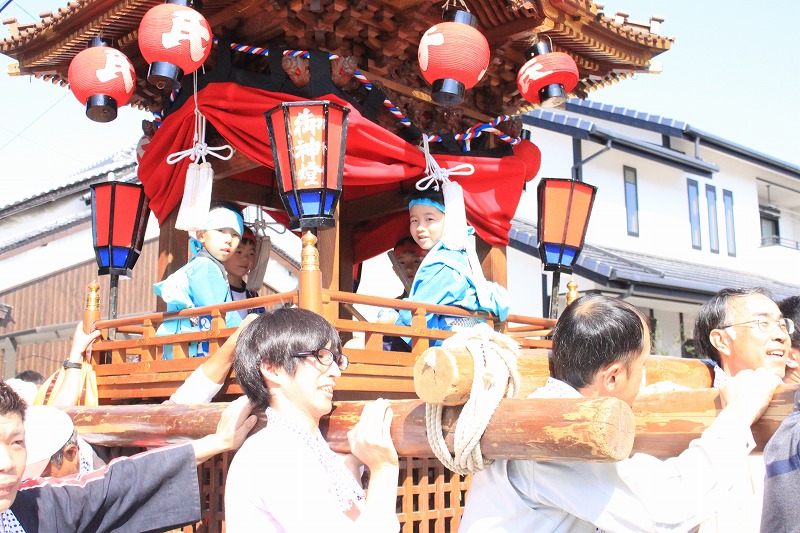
430	498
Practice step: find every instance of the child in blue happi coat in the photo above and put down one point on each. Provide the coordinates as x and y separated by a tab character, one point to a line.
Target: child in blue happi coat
450	273
203	280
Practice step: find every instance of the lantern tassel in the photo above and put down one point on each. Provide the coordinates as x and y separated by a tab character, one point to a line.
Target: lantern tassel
455	223
196	200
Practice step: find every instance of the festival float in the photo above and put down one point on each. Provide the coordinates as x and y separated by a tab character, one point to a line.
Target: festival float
401	74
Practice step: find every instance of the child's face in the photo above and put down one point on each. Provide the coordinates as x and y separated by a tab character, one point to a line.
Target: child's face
427	225
242	260
409	262
220	243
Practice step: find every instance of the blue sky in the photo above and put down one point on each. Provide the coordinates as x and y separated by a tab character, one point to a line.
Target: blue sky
731	72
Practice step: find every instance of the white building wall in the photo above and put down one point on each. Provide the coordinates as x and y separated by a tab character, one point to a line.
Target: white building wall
664	221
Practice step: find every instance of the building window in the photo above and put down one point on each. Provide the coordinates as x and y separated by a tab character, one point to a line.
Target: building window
694	213
770	232
631	201
713	227
730	232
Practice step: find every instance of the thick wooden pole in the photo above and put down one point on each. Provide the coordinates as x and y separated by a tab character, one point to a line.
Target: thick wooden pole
559	429
536	429
667	422
444	375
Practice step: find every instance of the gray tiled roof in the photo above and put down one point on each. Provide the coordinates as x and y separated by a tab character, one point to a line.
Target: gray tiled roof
676	128
652	275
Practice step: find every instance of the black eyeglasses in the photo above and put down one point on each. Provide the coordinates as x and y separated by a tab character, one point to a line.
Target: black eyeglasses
326	357
786	325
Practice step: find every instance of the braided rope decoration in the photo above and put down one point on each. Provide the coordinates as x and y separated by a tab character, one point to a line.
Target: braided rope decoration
473	132
495	376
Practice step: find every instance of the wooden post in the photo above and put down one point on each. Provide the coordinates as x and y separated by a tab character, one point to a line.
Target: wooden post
493	261
310	277
563	429
91	314
444	375
344	255
173	251
572	292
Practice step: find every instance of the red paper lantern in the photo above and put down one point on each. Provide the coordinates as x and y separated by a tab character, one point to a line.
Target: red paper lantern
453	56
175	39
547	77
102	79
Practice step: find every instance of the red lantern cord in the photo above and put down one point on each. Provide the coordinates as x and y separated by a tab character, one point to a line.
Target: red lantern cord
546	69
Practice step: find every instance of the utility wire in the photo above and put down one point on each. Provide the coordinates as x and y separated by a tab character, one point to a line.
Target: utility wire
43	145
35	19
5	5
33	121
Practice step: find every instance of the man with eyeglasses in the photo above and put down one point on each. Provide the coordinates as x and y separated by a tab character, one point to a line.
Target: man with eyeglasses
741	329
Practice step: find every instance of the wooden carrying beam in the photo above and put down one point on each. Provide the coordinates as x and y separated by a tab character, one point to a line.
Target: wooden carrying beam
444	375
558	429
667	422
536	429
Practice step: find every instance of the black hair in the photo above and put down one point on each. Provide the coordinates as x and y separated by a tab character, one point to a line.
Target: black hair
790	308
273	338
236	208
31	376
712	315
58	458
430	193
10	402
592	333
406	240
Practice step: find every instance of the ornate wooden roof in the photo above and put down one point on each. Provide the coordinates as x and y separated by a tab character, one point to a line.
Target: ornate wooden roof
381	36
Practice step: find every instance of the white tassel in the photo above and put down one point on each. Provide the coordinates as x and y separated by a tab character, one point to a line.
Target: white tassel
455	235
196	200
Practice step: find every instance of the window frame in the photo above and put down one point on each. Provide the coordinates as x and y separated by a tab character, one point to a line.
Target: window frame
694	217
713	218
626	171
730	226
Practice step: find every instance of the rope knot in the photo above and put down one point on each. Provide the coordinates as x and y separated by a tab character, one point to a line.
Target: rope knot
495	376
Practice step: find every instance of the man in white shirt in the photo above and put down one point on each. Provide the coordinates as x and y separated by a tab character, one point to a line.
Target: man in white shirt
599	348
742	329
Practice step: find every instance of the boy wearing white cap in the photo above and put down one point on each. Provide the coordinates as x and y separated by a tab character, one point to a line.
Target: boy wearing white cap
52	443
203	280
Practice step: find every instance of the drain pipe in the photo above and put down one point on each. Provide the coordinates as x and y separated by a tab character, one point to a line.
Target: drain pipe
579	164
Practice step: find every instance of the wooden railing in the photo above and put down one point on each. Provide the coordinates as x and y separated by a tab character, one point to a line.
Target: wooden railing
134	368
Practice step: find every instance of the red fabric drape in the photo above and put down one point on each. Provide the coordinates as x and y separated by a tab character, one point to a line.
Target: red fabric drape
375	158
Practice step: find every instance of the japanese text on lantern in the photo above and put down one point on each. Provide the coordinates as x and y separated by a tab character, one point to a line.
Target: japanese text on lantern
308	147
187	26
116	64
532	73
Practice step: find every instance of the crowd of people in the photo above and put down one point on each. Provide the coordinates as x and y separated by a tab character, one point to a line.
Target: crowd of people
286	478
